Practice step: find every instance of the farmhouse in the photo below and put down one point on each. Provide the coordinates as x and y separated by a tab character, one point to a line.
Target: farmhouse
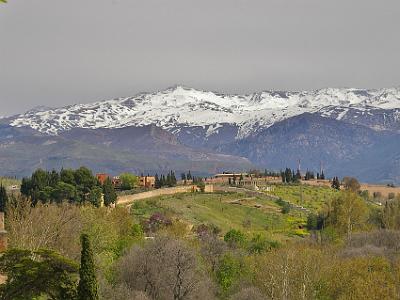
102	177
147	181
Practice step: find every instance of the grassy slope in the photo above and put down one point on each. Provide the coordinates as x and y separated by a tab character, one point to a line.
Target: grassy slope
219	210
313	197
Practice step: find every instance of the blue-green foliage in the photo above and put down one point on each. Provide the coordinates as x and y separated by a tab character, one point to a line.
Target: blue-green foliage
76	186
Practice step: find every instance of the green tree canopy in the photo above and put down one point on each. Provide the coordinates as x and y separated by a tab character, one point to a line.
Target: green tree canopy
128	181
42	273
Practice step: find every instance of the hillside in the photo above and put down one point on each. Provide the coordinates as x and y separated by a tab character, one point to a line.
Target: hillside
226	211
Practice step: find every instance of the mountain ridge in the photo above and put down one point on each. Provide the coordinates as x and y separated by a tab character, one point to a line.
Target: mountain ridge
177	106
353	131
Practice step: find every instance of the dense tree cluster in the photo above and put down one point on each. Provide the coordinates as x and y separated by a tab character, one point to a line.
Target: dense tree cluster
290	176
165	181
76	186
186	176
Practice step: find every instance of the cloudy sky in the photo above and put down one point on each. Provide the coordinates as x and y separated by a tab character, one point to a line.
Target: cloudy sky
58	52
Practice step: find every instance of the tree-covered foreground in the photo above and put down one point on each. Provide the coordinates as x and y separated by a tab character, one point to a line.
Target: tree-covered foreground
202	246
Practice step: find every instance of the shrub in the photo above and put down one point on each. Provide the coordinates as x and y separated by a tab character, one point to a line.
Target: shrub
234	238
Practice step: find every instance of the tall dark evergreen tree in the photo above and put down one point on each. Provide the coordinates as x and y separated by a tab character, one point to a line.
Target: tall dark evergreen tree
157	183
298	175
168	181
173	178
3	198
87	288
110	196
336	183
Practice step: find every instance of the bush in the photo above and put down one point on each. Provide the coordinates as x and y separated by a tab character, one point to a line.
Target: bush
235	238
229	271
285	208
259	244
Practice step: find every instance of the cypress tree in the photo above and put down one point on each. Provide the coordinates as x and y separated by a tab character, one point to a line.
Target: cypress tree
110	196
173	178
3	198
157	183
87	288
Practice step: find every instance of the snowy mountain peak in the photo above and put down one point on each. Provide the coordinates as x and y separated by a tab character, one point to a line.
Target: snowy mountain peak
180	105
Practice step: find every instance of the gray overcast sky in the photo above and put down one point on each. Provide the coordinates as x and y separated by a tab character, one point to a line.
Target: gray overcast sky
58	52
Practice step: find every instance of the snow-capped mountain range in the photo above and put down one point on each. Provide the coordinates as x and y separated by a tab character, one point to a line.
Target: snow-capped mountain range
354	132
180	106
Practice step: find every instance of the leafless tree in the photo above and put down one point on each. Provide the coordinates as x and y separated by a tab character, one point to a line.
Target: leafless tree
249	293
164	269
44	226
212	249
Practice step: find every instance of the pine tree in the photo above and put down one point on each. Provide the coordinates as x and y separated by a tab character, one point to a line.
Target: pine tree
87	288
110	196
3	198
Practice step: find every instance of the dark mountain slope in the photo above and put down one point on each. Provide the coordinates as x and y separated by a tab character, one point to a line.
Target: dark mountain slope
146	149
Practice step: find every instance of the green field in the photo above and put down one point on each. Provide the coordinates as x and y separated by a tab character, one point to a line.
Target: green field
227	211
311	197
